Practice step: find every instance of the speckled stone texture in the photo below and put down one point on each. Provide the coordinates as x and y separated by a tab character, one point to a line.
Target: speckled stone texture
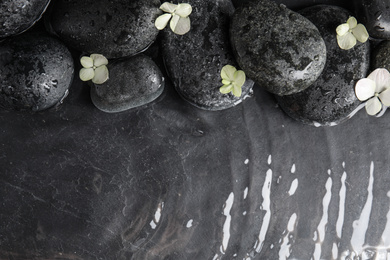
36	71
299	4
18	16
279	49
331	99
375	15
112	28
194	61
133	82
380	56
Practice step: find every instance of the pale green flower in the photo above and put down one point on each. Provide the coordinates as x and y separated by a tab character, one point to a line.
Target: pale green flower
375	90
178	15
94	68
349	32
232	80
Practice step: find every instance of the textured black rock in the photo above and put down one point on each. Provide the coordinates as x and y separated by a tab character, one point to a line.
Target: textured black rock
112	28
299	4
18	16
276	47
194	61
133	82
36	71
375	15
380	57
331	99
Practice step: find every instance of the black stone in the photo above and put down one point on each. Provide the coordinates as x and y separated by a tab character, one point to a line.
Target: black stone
276	47
380	57
18	16
112	28
375	15
133	82
331	99
194	61
299	4
36	71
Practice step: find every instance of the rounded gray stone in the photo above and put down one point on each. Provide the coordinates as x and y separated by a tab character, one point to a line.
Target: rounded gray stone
133	82
279	49
194	61
331	99
16	16
381	56
112	28
36	71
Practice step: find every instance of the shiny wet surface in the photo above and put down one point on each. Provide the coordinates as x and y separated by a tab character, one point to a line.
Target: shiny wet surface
170	181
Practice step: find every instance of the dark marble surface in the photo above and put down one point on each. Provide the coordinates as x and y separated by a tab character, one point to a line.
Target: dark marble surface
170	181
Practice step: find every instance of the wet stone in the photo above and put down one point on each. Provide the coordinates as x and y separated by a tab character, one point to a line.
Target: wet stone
112	28
18	16
194	61
279	49
375	15
133	82
331	99
380	57
36	71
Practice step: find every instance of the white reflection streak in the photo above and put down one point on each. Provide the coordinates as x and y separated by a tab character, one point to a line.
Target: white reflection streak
324	219
284	251
360	226
157	215
266	205
226	225
293	187
340	218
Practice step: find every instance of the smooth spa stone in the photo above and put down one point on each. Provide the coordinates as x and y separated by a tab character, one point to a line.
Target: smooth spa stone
299	4
380	56
133	82
279	49
18	16
36	71
194	61
112	28
331	99
375	15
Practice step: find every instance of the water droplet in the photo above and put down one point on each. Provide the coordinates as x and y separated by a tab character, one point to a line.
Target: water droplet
379	28
317	58
197	132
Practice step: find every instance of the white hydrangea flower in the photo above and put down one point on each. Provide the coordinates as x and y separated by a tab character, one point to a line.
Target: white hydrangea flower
94	68
349	32
232	80
178	15
375	90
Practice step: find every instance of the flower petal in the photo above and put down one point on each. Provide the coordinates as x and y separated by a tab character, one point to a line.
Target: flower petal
86	62
237	91
382	79
99	60
342	29
360	33
365	89
227	72
101	75
184	10
347	41
373	106
226	82
86	74
352	22
180	25
226	88
162	21
239	78
168	7
385	97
